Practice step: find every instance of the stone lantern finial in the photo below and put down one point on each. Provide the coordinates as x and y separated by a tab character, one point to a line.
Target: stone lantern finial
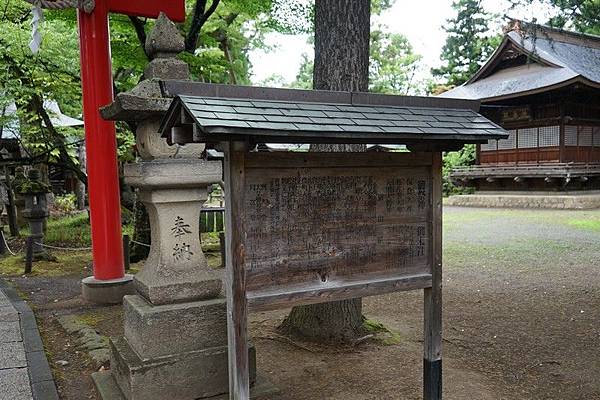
162	46
165	40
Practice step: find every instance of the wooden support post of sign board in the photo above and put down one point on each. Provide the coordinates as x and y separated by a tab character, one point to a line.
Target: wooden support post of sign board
235	281
432	343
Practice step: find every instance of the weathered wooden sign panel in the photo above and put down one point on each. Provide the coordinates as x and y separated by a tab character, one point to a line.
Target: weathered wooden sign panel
313	227
320	226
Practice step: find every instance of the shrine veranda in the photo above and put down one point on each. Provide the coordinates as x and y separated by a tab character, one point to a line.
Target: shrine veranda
305	228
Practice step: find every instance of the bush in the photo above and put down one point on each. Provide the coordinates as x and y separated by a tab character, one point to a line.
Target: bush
453	159
66	204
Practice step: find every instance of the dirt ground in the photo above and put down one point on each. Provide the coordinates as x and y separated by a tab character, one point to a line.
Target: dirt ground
521	320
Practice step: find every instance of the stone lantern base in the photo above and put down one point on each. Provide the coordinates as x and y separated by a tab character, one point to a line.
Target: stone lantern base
172	351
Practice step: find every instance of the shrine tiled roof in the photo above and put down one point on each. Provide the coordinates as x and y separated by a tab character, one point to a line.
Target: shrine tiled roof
361	120
554	58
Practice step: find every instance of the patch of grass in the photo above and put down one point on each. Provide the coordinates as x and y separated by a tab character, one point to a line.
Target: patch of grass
213	260
586	224
91	319
70	263
71	231
211	246
382	333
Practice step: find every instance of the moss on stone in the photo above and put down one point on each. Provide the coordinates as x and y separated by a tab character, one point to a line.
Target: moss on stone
31	187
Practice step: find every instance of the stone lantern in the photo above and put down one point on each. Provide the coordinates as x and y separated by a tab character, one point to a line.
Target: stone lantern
175	331
35	194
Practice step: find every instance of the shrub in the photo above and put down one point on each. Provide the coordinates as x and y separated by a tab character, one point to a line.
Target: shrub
66	204
453	159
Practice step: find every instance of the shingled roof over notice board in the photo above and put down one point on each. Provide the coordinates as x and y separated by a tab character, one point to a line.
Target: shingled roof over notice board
287	116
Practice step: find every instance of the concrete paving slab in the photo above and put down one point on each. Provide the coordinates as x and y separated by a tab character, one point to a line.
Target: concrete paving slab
8	314
14	384
24	370
4	301
10	331
12	355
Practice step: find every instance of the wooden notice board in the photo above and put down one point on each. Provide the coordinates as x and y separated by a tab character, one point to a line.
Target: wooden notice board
308	228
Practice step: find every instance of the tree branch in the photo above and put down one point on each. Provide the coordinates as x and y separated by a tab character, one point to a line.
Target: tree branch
64	157
138	25
201	15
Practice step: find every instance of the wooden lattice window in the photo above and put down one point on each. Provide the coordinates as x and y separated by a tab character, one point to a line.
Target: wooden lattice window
510	142
570	135
528	138
585	136
596	140
549	136
489	146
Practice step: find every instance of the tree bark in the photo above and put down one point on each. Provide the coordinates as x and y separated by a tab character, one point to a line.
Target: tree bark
342	29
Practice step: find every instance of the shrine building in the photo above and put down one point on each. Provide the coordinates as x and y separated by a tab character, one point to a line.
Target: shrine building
543	86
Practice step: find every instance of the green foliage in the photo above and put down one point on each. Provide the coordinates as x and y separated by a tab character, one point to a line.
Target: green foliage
392	70
33	187
393	64
297	16
469	43
274	80
304	78
581	15
66	204
52	74
453	159
292	17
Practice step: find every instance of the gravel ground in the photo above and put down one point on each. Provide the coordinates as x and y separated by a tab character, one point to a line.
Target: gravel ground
521	320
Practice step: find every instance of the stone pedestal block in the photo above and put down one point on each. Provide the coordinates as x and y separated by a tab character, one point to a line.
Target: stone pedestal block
173	192
184	376
188	326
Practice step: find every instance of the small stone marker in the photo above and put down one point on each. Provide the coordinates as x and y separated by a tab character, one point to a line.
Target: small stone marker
35	212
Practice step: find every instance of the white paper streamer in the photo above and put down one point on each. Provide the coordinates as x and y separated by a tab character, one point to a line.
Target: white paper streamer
36	36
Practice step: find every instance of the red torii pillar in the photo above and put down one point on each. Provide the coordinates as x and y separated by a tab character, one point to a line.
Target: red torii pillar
109	281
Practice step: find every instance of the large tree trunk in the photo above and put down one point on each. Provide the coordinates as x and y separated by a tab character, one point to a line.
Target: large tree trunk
342	29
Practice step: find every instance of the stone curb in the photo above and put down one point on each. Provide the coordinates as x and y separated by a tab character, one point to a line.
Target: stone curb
40	375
